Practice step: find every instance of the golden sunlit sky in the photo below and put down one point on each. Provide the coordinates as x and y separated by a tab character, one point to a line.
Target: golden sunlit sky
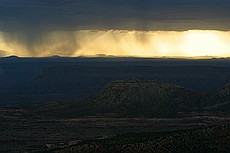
189	28
125	43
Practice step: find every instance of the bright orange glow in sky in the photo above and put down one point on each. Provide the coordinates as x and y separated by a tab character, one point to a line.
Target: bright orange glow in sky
119	43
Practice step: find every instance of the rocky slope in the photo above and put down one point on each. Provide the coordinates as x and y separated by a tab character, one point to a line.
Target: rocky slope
147	98
206	140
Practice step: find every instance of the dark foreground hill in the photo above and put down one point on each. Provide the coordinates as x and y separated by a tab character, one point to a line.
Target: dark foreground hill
144	98
156	98
214	139
136	98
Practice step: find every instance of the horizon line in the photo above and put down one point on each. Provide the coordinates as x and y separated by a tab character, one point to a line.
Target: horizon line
127	56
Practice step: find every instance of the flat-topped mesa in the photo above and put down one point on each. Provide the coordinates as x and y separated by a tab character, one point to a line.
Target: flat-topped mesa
144	97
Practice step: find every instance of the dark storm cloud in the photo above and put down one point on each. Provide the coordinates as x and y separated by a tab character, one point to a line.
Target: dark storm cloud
49	15
60	27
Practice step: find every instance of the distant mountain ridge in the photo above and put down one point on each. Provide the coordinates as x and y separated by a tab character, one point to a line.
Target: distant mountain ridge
36	80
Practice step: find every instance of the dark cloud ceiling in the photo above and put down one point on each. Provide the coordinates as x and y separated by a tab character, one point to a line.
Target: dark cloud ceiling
37	15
